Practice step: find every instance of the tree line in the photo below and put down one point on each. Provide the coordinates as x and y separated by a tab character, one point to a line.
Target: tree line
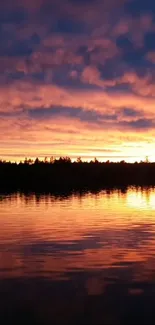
63	174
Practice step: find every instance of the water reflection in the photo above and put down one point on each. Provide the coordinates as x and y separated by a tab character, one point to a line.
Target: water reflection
77	248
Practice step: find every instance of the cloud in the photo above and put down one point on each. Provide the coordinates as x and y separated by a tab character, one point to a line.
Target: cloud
80	68
129	112
89	116
151	56
139	124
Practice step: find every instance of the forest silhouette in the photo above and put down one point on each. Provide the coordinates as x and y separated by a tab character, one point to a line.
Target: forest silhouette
63	174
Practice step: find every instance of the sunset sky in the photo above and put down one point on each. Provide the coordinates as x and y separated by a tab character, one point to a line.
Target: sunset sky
77	78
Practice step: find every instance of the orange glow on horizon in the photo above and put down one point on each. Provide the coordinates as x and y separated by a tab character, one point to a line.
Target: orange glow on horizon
30	133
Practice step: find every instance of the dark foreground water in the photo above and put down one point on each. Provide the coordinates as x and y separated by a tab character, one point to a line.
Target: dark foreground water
82	259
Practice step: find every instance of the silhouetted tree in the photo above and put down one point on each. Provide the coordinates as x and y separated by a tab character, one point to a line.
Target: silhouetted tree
26	161
62	173
96	161
79	160
46	160
51	160
37	161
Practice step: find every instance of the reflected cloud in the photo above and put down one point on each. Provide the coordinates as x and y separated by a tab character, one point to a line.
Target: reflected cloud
54	234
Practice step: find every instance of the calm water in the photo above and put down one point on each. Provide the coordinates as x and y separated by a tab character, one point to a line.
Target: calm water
81	259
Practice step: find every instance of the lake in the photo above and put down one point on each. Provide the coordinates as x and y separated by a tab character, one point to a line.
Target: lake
84	258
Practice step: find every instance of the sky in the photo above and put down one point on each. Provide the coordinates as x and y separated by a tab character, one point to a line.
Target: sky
77	78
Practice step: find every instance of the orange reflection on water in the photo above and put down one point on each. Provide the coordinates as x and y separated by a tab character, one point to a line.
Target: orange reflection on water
142	199
47	235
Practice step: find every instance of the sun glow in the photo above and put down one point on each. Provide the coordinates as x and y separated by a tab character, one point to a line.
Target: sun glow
141	200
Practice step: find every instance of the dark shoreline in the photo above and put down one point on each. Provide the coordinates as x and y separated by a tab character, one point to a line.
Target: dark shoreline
64	176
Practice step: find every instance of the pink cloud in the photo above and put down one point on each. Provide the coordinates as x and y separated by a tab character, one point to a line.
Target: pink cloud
80	58
16	96
151	56
135	28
